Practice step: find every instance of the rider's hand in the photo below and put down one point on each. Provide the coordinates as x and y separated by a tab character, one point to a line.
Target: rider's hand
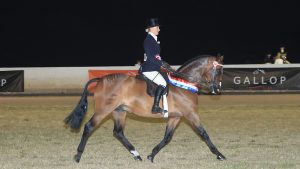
165	66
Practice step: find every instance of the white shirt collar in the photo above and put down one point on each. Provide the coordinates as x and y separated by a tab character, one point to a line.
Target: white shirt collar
154	36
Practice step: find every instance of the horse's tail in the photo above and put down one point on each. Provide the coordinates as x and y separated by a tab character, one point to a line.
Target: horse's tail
76	116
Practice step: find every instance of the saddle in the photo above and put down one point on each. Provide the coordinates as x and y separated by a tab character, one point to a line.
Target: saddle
151	86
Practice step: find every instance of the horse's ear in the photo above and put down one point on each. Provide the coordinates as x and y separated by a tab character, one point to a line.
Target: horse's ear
220	58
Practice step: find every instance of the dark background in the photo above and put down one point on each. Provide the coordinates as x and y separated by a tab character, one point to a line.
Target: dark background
111	33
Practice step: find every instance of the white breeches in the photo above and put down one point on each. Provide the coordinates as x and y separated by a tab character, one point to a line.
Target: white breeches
158	79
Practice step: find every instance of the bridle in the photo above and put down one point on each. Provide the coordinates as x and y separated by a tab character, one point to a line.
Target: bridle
214	73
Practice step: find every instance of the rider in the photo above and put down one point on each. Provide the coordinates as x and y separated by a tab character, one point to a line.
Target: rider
152	64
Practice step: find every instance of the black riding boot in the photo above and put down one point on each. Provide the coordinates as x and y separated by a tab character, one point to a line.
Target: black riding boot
158	93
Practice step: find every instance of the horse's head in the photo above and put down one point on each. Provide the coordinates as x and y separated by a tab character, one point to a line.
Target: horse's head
213	73
206	71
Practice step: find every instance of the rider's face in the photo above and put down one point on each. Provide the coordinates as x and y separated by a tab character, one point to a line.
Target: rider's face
155	30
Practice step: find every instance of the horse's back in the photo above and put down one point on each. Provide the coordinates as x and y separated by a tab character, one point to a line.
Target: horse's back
119	84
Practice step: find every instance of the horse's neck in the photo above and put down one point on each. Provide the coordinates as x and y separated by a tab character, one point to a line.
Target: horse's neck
192	74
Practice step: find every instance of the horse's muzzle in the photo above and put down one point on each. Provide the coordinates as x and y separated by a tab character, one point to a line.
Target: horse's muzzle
215	89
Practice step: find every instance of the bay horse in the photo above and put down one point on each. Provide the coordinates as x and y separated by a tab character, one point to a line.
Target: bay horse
120	94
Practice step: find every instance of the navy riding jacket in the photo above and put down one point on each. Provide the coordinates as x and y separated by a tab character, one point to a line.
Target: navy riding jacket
152	61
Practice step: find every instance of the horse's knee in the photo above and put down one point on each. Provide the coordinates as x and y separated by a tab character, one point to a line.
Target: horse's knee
118	128
118	131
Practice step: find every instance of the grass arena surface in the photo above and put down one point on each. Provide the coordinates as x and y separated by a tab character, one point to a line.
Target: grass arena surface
252	131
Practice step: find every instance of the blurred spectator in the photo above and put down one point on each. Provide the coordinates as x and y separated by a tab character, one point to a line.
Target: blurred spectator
138	63
268	59
281	57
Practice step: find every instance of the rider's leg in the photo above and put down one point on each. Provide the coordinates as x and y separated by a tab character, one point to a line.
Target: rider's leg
158	79
158	93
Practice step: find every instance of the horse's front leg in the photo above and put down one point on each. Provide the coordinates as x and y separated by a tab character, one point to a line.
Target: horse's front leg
203	134
193	118
172	123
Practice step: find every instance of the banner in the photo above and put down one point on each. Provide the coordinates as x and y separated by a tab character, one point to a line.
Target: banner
12	81
261	79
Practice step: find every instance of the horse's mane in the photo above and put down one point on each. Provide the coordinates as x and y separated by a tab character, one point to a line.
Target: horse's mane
192	60
112	77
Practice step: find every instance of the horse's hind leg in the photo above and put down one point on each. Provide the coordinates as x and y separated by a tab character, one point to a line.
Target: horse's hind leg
172	123
88	129
119	118
193	118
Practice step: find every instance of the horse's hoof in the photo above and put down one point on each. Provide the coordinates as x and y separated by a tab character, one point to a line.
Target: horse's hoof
149	157
138	158
77	158
221	157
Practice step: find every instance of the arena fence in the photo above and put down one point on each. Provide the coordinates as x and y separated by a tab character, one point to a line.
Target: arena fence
254	78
